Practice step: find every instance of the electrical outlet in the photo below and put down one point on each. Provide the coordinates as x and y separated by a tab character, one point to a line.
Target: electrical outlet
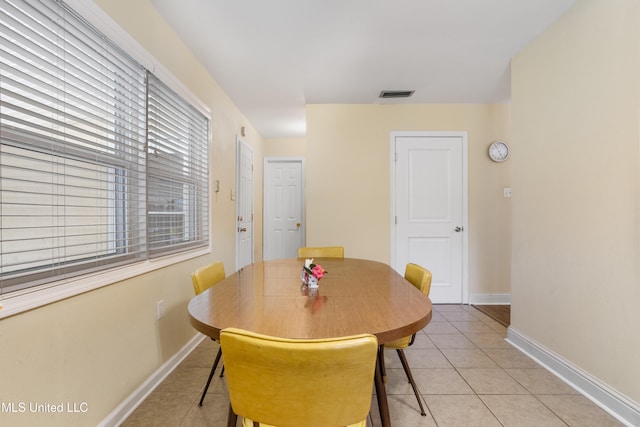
507	192
160	309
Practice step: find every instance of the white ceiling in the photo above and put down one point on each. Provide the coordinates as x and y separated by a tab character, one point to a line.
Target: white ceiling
274	56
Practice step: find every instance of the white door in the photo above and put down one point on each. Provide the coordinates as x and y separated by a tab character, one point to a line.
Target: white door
430	209
283	207
244	205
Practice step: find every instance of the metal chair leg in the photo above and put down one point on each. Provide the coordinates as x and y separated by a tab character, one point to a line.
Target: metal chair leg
213	368
407	371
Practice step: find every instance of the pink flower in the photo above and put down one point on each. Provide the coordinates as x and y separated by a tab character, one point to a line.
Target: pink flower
318	271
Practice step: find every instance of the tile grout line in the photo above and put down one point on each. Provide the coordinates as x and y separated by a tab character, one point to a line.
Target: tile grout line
529	393
466	381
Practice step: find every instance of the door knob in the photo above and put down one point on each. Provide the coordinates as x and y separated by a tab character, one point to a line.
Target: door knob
458	229
242	229
298	224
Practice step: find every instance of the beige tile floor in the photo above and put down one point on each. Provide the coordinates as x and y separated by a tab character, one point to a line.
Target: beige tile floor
467	374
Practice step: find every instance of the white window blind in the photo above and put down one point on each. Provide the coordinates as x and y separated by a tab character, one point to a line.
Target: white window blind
177	172
72	152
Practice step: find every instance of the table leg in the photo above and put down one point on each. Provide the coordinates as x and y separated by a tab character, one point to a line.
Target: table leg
232	418
381	391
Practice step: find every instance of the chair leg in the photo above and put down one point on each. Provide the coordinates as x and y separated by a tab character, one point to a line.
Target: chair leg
407	371
213	368
222	372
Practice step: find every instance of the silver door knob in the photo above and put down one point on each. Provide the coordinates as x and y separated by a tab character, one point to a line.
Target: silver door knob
458	229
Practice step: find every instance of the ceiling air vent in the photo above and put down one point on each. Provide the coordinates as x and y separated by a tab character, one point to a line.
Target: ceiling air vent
396	93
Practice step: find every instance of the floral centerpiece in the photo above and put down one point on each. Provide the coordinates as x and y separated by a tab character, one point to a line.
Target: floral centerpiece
312	273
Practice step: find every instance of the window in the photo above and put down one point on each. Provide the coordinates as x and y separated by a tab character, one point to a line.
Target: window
177	172
77	165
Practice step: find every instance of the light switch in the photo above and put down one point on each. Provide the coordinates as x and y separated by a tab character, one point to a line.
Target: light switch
507	192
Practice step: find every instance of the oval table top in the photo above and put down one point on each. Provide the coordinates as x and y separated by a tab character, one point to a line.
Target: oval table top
356	296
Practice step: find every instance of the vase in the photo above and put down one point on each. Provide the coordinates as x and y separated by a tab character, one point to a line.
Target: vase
313	281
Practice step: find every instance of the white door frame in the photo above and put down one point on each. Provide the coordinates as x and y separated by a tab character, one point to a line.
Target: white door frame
465	199
266	193
239	144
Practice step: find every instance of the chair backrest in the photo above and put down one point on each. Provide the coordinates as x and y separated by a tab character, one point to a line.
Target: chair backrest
419	277
321	252
207	276
299	382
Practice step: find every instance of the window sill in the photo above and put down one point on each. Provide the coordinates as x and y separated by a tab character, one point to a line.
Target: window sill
11	305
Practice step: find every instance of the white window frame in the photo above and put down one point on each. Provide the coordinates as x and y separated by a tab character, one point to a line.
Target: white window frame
30	298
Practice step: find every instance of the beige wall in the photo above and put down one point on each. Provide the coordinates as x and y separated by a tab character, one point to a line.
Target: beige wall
576	183
100	346
348	181
285	147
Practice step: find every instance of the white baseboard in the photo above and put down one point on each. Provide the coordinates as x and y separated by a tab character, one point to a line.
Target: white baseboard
122	411
617	405
490	299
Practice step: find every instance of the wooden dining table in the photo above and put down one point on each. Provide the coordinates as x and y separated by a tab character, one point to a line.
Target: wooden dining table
356	296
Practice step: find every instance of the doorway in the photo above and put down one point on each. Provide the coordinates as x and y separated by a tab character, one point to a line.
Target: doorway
244	204
284	230
429	209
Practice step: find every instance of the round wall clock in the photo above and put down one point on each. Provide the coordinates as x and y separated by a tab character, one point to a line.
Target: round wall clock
498	151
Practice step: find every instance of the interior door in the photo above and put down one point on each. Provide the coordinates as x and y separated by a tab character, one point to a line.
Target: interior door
430	210
244	205
283	207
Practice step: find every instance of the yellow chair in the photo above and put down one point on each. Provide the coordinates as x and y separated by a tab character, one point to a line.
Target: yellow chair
298	382
420	278
321	252
203	278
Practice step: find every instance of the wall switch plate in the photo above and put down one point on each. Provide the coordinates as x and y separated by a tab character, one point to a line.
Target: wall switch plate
160	309
507	192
